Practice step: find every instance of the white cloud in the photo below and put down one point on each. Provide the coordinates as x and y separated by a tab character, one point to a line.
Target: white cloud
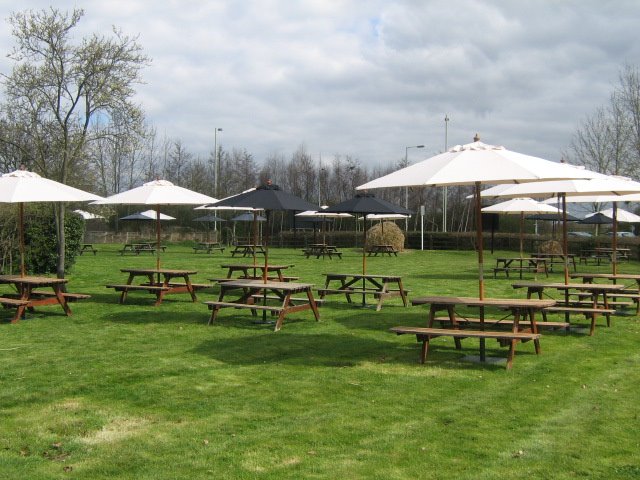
367	78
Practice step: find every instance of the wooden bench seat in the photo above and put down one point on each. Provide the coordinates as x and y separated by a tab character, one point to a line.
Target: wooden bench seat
424	335
20	305
506	322
206	249
195	286
70	297
358	291
150	288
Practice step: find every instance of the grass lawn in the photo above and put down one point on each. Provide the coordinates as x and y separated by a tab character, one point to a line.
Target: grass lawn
141	392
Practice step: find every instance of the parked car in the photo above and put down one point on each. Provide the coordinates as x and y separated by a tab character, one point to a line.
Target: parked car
580	234
622	234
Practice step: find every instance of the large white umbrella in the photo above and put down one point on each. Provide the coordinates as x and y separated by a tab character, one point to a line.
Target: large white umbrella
23	187
88	215
520	206
321	214
157	193
599	184
476	164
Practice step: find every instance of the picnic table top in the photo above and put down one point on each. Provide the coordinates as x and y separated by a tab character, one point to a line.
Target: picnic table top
610	276
485	302
362	275
269	284
570	286
32	280
164	271
257	265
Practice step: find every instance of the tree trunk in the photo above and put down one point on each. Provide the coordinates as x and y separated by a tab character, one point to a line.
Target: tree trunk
59	214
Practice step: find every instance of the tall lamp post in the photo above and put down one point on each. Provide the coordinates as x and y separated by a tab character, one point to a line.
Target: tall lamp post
216	164
406	189
444	189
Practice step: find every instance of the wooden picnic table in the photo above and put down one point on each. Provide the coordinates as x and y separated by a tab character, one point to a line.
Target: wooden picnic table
252	292
593	291
87	247
155	285
376	250
207	247
25	287
321	250
138	248
520	264
558	259
254	272
248	250
520	309
380	286
630	292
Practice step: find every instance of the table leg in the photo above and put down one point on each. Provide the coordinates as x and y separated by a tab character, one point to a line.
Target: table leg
61	300
314	306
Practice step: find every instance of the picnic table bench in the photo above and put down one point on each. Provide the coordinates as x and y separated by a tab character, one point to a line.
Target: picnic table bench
520	265
590	310
376	250
87	247
380	287
138	248
321	250
520	332
157	287
207	247
29	290
248	250
251	290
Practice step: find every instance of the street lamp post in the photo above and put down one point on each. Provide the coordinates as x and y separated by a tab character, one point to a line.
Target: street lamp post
216	164
406	189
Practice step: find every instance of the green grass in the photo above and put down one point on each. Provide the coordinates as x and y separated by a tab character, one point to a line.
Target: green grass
136	391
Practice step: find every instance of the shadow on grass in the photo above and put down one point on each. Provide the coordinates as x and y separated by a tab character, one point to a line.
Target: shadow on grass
316	349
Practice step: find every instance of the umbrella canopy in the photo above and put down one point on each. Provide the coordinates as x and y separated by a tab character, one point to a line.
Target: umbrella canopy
520	206
366	204
606	216
475	164
157	192
267	197
209	218
321	217
386	216
577	190
147	215
23	187
248	217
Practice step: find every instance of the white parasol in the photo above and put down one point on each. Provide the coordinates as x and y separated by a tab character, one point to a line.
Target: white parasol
520	206
476	164
23	187
157	193
613	187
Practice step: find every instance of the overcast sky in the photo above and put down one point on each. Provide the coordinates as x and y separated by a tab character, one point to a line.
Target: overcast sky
367	78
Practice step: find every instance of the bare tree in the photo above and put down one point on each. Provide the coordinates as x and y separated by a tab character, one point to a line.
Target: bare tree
57	90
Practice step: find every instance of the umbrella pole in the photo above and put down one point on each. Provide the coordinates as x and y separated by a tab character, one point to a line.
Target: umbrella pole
364	258
521	234
158	241
480	246
21	237
266	252
565	240
614	240
255	240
